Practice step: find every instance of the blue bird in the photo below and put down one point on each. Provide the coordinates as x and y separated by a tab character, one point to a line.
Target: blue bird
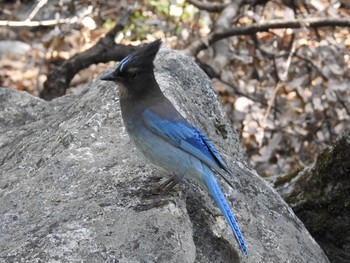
161	133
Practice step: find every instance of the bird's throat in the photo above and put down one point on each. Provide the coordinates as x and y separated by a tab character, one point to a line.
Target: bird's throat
123	91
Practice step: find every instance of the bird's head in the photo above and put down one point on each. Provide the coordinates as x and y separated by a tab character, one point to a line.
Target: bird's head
134	73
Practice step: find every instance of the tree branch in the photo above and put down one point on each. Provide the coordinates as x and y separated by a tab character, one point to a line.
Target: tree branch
210	7
47	23
223	22
105	50
215	36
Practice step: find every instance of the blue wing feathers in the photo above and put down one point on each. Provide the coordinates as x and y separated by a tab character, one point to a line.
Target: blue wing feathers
188	137
212	150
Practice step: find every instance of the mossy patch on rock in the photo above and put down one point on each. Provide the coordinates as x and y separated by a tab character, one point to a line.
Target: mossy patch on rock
321	199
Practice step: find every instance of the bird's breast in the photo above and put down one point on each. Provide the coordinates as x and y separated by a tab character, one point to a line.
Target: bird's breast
133	122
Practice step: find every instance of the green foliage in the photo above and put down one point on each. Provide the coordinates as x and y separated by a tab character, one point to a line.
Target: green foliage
161	6
108	24
168	18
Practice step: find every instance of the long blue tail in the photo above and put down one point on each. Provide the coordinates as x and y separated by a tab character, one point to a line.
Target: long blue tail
220	199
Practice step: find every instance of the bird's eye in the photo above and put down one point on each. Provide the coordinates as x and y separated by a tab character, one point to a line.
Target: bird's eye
131	75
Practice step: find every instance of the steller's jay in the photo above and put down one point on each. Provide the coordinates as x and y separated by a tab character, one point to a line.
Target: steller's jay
161	133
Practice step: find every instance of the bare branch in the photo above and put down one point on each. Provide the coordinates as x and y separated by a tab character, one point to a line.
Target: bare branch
223	22
342	102
47	23
32	14
105	50
214	36
210	7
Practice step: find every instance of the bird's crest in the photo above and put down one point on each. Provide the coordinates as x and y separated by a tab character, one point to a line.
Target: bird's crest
142	57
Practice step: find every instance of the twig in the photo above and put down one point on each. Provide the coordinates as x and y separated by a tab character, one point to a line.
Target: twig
214	36
339	97
279	83
47	23
271	101
240	93
223	22
36	10
264	52
210	7
277	88
310	62
284	76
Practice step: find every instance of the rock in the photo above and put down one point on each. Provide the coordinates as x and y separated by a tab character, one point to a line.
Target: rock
320	197
74	189
14	48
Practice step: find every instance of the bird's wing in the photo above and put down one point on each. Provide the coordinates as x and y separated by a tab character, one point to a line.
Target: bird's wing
188	138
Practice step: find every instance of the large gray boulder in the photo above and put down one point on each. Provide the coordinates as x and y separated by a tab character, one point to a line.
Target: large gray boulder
74	189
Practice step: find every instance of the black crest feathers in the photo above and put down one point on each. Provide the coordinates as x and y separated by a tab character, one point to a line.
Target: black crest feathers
142	57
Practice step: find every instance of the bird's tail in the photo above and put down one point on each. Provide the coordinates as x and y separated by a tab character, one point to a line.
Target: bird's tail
220	199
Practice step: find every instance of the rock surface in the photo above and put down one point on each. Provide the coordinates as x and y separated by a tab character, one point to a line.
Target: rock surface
74	189
320	196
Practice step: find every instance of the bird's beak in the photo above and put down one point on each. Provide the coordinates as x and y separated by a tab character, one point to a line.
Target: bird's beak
112	76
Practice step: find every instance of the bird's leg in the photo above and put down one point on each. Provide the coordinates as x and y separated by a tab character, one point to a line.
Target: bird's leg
167	185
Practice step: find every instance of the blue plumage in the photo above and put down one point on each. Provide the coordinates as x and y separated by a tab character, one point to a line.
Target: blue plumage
163	135
220	199
187	137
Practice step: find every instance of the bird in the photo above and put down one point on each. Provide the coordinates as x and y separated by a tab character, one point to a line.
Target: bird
163	135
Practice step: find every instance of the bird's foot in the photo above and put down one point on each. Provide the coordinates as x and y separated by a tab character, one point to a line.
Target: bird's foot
166	186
